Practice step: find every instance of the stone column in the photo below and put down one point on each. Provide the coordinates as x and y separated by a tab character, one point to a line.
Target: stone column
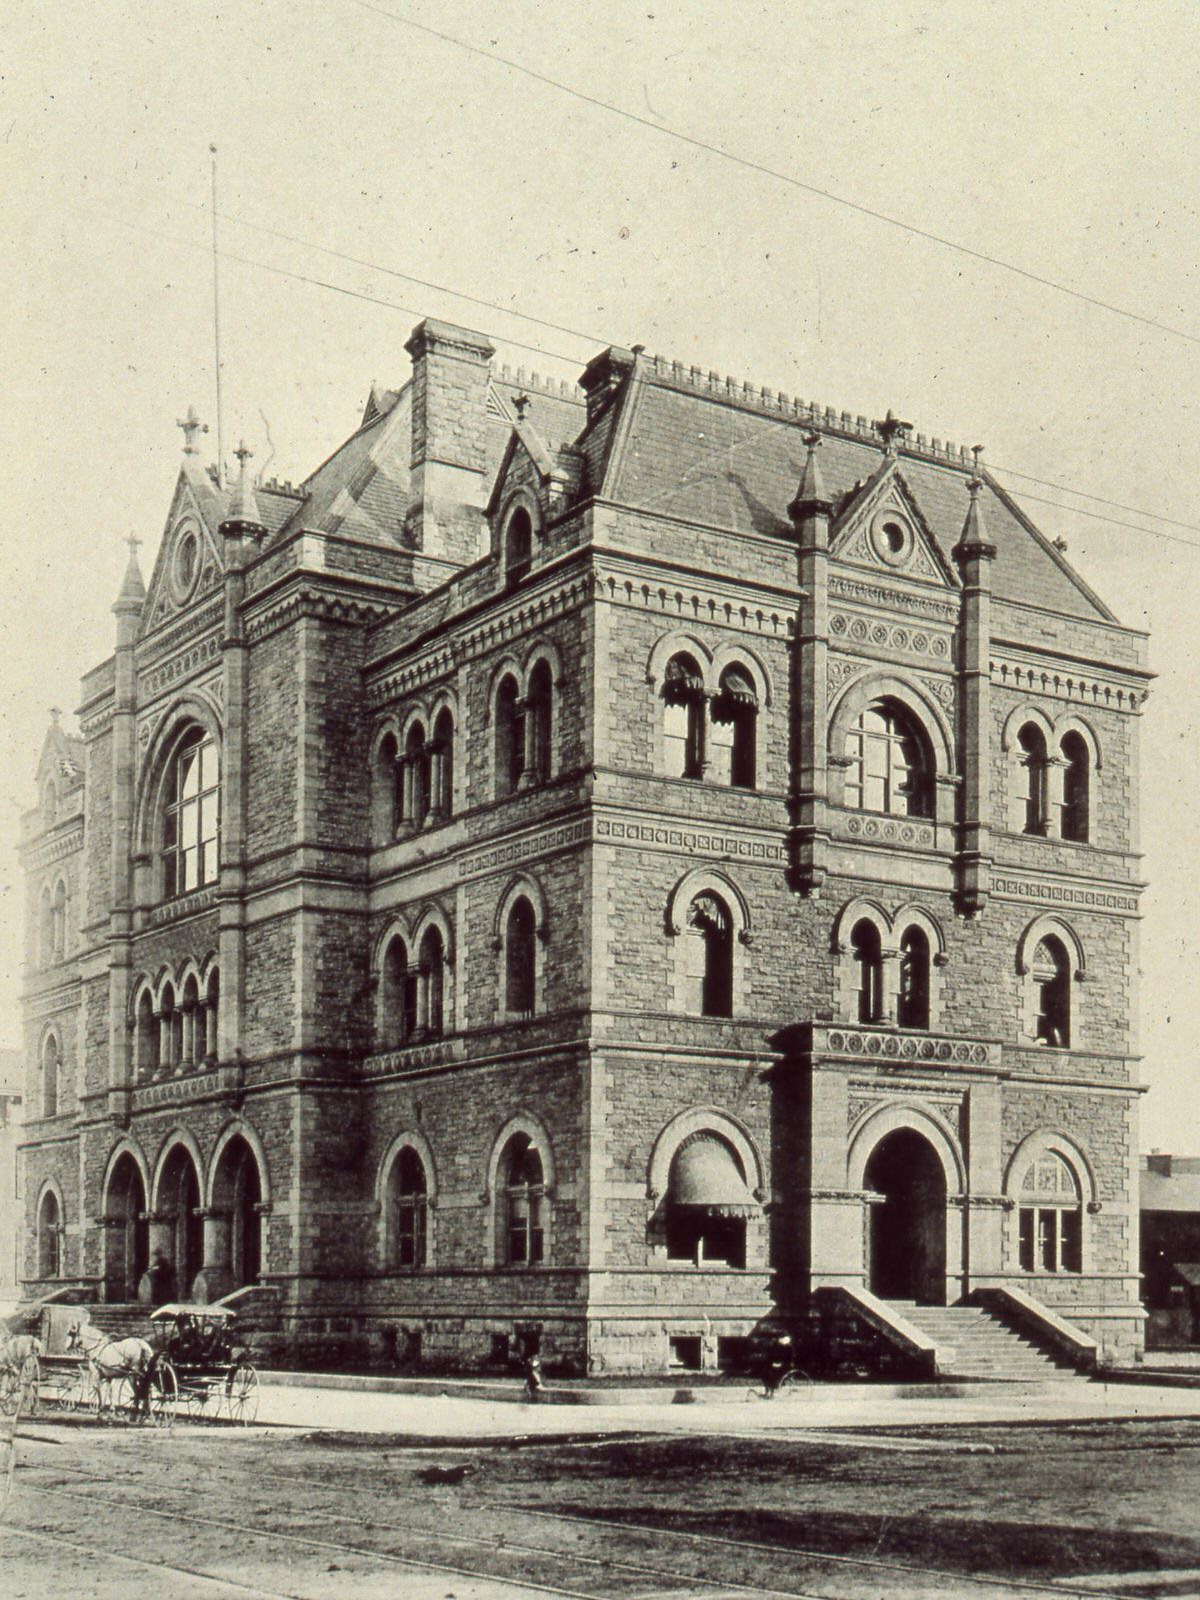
127	610
810	512
215	1277
161	1241
974	556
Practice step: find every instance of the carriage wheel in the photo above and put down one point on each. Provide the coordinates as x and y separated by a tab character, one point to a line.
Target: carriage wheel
793	1385
164	1395
241	1389
121	1400
10	1391
30	1381
82	1393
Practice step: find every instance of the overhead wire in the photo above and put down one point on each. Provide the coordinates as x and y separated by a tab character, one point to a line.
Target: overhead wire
667	131
558	355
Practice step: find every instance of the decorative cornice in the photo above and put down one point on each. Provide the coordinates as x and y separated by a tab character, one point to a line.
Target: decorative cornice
1010	886
165	641
322	604
871	592
933	645
1080	688
50	850
686	603
175	910
885	1045
179	666
689	840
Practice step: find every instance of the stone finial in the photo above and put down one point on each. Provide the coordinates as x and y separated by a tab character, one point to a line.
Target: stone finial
242	518
973	541
133	589
812	496
191	426
521	406
892	431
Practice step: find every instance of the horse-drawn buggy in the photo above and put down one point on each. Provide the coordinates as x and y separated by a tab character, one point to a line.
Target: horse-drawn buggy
20	1371
214	1374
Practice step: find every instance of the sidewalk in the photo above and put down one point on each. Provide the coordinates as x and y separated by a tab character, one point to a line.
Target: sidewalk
329	1405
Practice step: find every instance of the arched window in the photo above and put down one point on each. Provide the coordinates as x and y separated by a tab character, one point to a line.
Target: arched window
212	1014
1052	982
191	1019
708	957
415	786
49	1237
683	718
51	1063
524	1202
147	1049
433	968
889	765
868	953
707	1203
520	955
1074	823
191	815
387	790
1032	770
538	715
509	736
734	726
442	752
518	543
912	1005
170	1029
45	927
50	803
408	1198
58	922
399	999
1050	1217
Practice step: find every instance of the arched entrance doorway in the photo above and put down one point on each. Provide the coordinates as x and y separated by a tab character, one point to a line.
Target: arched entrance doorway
179	1208
233	1229
907	1247
127	1253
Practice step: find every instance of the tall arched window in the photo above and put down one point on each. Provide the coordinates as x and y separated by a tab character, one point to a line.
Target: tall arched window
50	803
520	956
1052	983
433	969
442	750
509	736
1050	1217
518	543
868	953
708	957
170	1029
51	1064
147	1037
734	728
192	1023
408	1192
45	928
524	1202
912	1004
212	1014
1032	769
191	815
707	1203
684	711
1074	823
415	783
387	790
49	1237
399	999
889	765
58	922
539	712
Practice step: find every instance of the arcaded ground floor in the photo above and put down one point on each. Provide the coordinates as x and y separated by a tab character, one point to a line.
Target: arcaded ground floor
948	1498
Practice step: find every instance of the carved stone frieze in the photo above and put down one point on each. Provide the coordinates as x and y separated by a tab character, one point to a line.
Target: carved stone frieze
873	593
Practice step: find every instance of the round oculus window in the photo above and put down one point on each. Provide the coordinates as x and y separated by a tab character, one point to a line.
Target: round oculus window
185	563
892	537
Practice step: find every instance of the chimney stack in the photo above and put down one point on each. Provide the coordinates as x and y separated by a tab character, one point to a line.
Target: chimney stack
451	368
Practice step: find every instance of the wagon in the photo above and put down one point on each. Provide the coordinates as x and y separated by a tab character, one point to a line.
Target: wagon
214	1375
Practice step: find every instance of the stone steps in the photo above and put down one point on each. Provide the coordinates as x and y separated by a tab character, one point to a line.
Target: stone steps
974	1343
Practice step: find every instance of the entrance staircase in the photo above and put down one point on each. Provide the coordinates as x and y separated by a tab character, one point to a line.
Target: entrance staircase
123	1320
973	1342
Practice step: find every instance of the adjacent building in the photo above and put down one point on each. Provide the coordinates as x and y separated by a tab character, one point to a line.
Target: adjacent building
608	863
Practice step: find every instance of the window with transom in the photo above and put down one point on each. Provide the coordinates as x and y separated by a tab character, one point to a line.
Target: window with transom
524	1203
1050	1217
408	1191
191	815
888	768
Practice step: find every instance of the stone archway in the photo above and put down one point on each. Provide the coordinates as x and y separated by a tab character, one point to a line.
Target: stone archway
233	1221
176	1229
907	1229
127	1242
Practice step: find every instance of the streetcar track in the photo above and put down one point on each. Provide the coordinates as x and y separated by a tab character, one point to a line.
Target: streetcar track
942	1575
41	1536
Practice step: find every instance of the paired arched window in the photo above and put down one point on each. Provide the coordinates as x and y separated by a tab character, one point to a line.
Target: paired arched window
684	706
409	1202
399	996
707	953
191	815
1050	1217
509	735
1052	789
442	758
520	959
415	776
1074	820
703	736
51	1068
1032	769
431	983
912	999
49	1236
889	767
539	711
524	1200
707	1203
867	950
1051	973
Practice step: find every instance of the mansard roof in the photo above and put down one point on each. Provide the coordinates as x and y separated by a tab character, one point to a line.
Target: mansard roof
686	445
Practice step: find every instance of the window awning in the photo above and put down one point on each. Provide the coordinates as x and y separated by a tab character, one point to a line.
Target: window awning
738	690
705	1177
681	680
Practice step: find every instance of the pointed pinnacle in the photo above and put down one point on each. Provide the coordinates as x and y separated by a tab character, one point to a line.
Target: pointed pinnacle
811	495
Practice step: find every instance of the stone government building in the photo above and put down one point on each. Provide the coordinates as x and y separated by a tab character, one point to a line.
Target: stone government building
620	863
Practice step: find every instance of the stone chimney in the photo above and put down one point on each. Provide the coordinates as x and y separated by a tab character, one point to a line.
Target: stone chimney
604	375
449	440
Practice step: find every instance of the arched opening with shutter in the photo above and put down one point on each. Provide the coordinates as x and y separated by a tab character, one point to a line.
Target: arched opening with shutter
684	715
734	730
708	1203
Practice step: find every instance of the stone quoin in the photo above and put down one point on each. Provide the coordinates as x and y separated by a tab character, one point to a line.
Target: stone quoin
604	864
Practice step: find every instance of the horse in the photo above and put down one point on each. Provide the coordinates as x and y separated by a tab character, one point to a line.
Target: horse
19	1357
108	1359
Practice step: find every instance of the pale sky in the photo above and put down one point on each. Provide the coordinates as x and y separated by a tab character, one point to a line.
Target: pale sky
1059	136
